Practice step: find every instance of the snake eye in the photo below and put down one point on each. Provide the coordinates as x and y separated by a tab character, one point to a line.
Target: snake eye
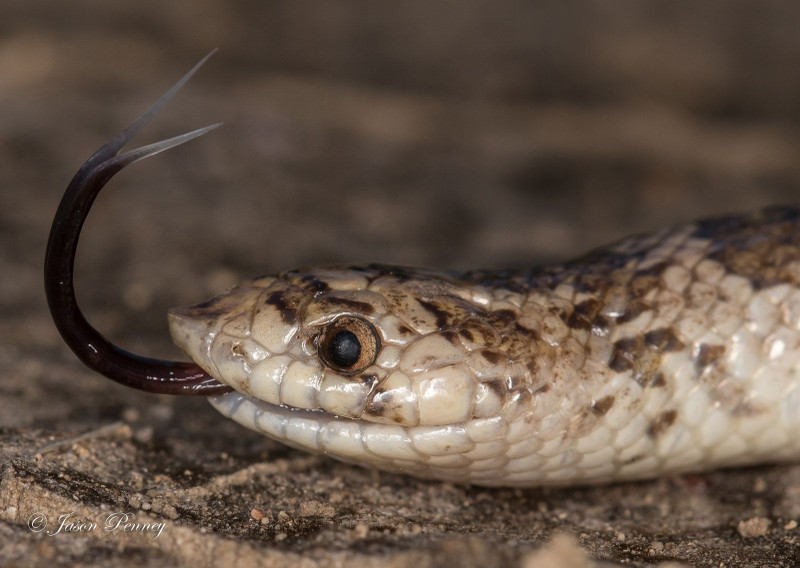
349	345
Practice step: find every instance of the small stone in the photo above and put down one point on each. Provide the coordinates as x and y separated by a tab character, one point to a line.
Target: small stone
80	451
135	500
316	509
361	530
562	550
169	512
257	514
755	527
791	525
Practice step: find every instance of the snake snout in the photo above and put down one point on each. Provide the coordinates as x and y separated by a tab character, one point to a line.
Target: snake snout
193	333
195	328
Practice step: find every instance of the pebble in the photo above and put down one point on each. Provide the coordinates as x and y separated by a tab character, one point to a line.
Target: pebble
755	527
316	509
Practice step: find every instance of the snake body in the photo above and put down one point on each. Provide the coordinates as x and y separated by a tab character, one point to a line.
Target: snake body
665	353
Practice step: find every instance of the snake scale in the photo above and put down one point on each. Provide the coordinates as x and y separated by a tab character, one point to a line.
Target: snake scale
665	353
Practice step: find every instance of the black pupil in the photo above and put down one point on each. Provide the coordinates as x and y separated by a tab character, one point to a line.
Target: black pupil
344	349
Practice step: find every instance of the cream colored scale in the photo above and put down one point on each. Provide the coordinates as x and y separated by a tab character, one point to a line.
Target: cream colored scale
658	355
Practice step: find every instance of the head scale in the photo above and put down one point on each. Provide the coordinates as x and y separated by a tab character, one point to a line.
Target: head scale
376	344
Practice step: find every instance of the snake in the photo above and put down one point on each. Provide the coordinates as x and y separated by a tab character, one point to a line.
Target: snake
672	352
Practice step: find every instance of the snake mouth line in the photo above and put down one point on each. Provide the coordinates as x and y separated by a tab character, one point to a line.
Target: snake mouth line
310	430
230	403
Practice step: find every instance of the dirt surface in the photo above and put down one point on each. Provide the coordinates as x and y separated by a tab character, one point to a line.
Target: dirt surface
461	134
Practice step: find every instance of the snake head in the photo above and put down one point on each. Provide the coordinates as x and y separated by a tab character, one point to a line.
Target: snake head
378	344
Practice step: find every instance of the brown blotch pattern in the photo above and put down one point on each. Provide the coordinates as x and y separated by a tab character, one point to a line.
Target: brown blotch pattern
584	314
404	330
502	319
633	311
646	280
450	336
588	308
601	325
380	403
600	407
625	353
706	355
657	381
633	354
759	247
663	340
498	387
353	305
541	389
441	314
314	284
287	312
492	357
661	423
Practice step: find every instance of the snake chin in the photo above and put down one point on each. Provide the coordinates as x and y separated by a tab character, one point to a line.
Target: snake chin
441	452
314	430
234	403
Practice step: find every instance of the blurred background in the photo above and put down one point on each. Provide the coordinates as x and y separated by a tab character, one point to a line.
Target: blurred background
456	134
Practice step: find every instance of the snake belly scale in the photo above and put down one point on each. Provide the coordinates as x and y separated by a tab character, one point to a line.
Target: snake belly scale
672	352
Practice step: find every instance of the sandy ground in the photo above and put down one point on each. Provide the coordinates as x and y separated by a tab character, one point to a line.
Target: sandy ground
461	134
